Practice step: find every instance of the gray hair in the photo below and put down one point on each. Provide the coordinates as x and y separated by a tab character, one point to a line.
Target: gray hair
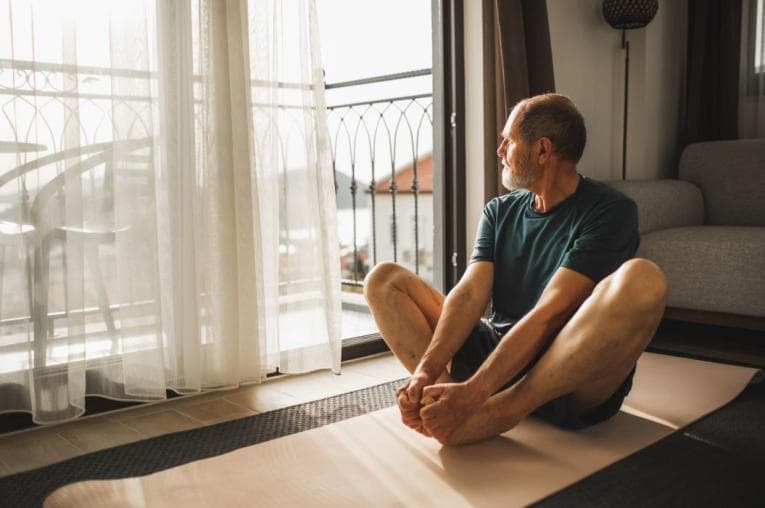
553	116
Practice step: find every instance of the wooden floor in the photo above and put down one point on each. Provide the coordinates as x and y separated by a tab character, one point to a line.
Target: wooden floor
36	447
29	449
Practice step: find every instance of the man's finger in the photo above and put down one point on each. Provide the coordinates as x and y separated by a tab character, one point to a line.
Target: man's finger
413	412
414	390
403	394
433	391
427	400
422	430
416	384
428	412
403	401
407	407
411	423
403	388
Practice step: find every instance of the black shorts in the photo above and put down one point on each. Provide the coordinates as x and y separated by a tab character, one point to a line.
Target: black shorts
482	341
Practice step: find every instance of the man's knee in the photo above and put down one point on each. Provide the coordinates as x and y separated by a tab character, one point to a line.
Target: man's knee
641	282
382	278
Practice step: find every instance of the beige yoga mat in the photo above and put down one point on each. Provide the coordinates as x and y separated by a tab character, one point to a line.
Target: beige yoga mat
373	460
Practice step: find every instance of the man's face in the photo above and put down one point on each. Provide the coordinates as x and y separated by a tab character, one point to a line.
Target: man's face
518	170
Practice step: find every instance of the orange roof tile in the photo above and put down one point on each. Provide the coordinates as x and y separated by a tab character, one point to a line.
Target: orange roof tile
405	176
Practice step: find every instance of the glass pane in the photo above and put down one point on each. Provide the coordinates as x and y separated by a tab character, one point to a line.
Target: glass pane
382	139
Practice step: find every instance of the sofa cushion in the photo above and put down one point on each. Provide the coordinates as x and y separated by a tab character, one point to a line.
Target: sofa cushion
712	268
663	203
731	175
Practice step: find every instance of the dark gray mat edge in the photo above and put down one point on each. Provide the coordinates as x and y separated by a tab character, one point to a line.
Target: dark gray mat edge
30	488
716	461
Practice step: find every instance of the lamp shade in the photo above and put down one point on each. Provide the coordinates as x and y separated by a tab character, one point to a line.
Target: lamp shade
628	14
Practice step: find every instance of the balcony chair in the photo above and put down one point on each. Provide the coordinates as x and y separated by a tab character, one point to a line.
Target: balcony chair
22	227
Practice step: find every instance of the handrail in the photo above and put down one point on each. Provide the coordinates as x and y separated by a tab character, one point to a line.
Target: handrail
378	79
27	65
382	101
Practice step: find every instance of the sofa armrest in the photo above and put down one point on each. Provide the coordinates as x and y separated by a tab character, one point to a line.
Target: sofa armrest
663	204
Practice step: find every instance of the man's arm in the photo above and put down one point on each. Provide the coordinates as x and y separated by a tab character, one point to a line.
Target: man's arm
462	308
562	296
448	405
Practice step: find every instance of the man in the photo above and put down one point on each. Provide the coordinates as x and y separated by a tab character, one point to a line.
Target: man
572	312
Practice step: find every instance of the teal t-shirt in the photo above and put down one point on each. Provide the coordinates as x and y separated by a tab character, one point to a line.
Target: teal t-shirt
592	232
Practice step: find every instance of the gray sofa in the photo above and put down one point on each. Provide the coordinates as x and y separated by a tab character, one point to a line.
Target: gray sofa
706	230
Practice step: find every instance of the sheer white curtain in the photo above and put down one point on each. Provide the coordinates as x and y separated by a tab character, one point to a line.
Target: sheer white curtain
751	116
167	208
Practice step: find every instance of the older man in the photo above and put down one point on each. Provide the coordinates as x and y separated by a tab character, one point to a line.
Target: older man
572	311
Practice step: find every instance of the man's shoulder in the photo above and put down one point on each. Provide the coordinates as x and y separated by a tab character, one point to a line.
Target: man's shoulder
508	200
600	194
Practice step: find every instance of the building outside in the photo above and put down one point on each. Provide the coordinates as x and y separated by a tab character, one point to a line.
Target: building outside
399	230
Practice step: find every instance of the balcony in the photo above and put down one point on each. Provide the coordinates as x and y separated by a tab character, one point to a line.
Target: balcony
383	167
383	176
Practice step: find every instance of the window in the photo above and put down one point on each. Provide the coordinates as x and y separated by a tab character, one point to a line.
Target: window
753	47
759	55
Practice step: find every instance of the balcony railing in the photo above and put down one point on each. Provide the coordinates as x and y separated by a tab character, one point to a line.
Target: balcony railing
378	148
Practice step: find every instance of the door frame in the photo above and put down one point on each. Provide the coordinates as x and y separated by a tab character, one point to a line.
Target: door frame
449	214
448	143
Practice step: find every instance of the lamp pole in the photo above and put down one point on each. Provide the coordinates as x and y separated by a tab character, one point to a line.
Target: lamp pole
626	48
627	15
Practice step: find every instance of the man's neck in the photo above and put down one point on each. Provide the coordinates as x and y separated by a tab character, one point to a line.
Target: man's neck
556	184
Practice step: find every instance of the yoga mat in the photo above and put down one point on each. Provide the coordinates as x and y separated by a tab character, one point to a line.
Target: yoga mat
374	460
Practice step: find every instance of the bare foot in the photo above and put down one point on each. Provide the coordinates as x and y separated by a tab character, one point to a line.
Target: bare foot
486	423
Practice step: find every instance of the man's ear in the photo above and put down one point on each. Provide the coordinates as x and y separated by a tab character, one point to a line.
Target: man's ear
544	150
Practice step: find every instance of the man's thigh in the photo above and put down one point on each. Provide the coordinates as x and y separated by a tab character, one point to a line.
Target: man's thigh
406	309
389	287
562	411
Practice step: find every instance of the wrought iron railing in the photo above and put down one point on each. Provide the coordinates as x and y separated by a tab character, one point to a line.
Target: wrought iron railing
371	141
384	128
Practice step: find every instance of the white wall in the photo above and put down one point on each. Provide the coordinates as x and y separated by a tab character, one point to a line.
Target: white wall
474	118
589	68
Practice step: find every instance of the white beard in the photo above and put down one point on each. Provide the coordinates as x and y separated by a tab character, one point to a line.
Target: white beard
506	179
528	176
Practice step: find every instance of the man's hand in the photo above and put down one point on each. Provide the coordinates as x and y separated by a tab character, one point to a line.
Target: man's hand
446	406
408	398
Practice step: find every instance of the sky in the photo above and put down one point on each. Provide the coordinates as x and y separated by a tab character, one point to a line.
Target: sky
359	39
363	38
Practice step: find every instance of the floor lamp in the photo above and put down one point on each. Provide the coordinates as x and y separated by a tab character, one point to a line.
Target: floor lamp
627	15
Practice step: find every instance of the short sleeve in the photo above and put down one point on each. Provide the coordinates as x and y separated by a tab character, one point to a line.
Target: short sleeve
608	238
483	248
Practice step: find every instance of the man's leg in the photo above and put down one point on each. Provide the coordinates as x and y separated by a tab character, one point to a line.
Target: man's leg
589	358
406	309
